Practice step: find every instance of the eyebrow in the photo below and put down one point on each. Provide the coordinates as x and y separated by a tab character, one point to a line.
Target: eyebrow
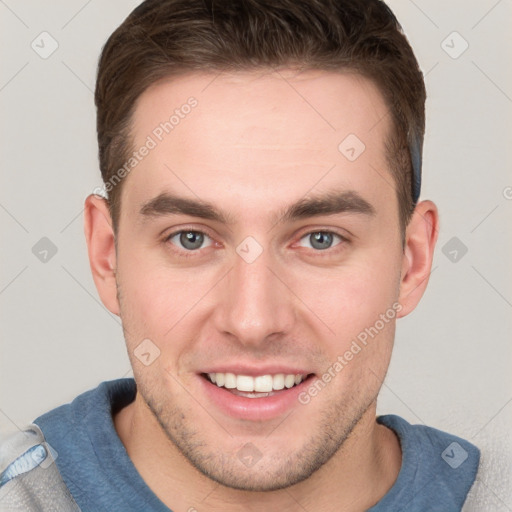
330	203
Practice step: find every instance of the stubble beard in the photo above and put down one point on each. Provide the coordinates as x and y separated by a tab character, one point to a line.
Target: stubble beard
274	471
277	470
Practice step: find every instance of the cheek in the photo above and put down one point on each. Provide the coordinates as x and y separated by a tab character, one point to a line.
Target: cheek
158	301
353	297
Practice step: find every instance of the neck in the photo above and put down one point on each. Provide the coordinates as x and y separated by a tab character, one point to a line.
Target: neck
355	478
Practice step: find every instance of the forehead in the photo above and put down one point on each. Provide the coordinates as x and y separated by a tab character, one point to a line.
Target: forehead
263	133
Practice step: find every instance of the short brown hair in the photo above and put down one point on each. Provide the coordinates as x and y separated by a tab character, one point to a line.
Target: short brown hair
162	38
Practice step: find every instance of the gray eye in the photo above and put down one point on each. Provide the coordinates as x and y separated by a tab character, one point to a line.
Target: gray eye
191	239
320	240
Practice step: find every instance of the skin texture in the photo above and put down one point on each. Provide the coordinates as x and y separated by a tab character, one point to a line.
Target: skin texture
255	143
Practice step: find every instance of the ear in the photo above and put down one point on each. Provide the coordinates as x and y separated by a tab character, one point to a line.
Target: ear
101	249
420	241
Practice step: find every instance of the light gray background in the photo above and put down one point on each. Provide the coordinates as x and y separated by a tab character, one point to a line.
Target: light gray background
452	363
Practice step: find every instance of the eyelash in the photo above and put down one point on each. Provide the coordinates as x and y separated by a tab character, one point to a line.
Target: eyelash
182	252
195	253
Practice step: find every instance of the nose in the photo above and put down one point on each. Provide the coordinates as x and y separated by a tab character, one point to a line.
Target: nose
254	304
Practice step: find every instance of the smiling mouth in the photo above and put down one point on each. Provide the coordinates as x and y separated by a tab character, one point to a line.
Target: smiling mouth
256	387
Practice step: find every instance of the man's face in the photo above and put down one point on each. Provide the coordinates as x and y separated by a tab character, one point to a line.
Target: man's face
258	289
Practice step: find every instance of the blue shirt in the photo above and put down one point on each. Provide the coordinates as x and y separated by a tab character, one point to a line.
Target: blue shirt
438	469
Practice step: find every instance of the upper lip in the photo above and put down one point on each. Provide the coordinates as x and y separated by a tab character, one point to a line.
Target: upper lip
255	371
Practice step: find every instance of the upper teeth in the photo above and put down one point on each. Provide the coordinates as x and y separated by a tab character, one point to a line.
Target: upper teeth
262	383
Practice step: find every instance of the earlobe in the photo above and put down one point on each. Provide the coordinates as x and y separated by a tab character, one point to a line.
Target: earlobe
100	240
421	238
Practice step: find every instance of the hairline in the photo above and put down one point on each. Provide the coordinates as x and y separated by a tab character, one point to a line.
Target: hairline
391	138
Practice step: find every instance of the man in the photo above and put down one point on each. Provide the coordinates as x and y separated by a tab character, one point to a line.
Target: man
261	235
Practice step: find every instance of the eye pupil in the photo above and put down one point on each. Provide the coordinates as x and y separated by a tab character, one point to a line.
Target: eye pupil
191	239
321	240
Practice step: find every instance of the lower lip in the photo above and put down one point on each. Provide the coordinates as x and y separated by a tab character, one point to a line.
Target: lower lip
253	409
